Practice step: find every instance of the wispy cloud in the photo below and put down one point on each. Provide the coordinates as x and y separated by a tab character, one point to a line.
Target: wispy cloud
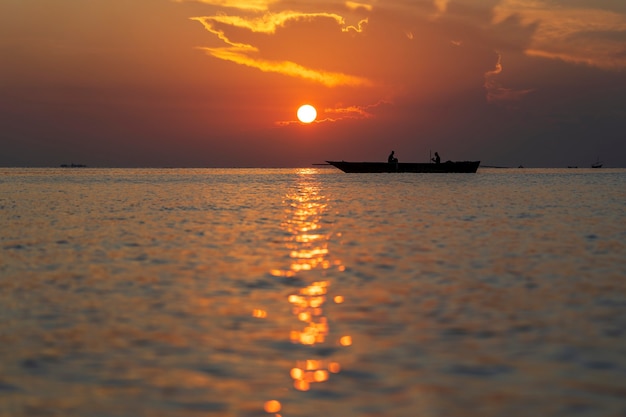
349	112
353	5
342	112
441	5
239	55
354	112
268	23
498	94
256	5
570	33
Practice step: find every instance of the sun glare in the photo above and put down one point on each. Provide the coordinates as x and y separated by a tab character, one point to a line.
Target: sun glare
307	113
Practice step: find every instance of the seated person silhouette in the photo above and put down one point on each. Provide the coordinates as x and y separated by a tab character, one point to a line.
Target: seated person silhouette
392	159
436	159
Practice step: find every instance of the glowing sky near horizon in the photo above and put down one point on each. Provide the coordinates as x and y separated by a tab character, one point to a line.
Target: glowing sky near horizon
218	82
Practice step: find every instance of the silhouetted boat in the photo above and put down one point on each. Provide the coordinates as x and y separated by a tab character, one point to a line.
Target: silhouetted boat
370	167
73	165
597	164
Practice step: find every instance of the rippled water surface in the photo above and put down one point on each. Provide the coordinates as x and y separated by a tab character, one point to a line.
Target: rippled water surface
308	292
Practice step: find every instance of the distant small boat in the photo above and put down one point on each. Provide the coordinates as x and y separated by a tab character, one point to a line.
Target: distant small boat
597	164
73	165
417	167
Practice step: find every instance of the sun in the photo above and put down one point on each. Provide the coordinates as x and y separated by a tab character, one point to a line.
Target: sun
307	113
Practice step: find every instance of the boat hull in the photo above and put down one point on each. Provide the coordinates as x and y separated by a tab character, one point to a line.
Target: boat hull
374	167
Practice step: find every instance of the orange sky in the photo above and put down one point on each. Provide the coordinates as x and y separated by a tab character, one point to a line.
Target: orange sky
218	82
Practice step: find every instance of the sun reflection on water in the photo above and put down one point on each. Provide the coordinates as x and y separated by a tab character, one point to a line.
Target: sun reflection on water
307	245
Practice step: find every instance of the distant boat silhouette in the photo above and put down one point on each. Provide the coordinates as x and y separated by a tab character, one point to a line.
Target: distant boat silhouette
73	165
597	164
372	167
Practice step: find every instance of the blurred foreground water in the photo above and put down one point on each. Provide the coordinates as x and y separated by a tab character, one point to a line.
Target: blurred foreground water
308	292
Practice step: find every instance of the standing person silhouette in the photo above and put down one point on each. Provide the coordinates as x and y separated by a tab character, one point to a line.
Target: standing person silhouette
436	159
392	159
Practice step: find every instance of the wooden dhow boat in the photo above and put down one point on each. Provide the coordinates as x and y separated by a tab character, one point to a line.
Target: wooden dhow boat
418	167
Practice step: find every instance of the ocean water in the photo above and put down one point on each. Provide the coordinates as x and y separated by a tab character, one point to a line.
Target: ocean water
308	292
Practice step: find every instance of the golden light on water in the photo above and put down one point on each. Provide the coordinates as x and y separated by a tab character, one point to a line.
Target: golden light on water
312	371
301	385
320	375
307	246
307	308
346	341
261	314
272	406
281	273
334	367
296	373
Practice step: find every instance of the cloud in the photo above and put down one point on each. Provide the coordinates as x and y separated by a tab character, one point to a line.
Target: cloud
246	54
239	55
441	6
341	112
496	93
570	33
256	5
269	22
353	5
